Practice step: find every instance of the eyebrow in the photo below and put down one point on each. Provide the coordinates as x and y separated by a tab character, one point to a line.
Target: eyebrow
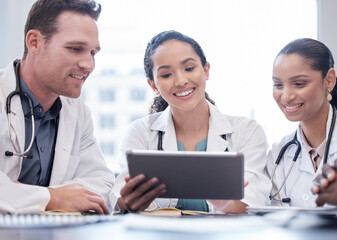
292	78
182	62
98	48
298	76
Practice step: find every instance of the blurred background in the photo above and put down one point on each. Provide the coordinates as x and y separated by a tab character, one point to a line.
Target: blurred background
239	37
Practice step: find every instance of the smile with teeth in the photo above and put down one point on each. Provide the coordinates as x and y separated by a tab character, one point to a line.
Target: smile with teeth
77	76
184	93
293	107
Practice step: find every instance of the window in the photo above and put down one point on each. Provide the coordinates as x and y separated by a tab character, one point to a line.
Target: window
108	147
107	122
137	94
107	95
134	117
240	38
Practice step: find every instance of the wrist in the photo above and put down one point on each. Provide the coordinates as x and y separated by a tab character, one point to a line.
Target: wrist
120	204
52	201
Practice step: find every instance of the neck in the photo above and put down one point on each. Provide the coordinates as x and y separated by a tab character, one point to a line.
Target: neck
191	126
315	129
30	76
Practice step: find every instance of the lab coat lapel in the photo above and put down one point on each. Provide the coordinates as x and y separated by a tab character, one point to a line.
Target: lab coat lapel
218	126
165	123
17	124
332	156
303	162
64	142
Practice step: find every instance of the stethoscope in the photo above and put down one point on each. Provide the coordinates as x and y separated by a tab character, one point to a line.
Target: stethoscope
160	141
160	148
298	150
18	91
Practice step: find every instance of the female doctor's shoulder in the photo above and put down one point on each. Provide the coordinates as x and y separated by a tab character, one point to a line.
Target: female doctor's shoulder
139	133
246	130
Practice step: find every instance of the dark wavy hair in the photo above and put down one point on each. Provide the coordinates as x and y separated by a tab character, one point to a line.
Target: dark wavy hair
159	104
44	13
316	54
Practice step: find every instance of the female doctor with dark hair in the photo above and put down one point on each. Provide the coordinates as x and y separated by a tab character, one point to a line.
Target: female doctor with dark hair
304	88
177	71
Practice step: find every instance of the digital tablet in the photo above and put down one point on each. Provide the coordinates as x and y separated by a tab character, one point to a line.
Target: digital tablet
326	210
191	175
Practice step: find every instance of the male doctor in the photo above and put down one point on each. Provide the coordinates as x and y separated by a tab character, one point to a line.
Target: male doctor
64	168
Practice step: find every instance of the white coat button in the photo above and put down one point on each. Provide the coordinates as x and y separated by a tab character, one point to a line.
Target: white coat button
305	197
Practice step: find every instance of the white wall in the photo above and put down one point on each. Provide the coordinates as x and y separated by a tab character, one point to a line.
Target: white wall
13	17
327	25
14	13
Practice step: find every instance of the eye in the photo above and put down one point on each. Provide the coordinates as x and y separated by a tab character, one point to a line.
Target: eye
167	75
75	49
300	84
189	69
277	85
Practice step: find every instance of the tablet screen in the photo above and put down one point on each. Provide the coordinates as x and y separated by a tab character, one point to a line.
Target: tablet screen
191	175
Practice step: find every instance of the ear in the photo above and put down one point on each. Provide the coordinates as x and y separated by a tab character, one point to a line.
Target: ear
330	79
34	41
206	69
152	85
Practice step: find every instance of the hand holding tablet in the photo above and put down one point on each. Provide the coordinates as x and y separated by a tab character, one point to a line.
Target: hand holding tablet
191	175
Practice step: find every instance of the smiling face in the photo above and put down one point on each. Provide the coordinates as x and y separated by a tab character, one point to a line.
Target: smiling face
299	91
179	76
65	61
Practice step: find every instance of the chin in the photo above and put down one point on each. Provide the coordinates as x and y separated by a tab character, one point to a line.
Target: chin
293	118
72	95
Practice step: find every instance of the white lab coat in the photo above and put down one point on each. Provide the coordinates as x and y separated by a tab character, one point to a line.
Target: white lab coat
243	135
299	183
77	159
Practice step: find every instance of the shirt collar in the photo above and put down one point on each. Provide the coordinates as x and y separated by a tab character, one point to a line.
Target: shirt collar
38	109
308	148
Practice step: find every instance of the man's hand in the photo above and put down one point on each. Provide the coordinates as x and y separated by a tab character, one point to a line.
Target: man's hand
76	198
325	185
137	196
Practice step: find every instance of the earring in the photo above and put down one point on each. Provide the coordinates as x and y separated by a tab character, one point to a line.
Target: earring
329	97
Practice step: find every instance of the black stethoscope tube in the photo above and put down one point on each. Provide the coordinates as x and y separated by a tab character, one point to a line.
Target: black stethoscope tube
298	150
160	141
18	91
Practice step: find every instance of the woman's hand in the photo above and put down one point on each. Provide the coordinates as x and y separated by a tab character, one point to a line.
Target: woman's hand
137	195
223	205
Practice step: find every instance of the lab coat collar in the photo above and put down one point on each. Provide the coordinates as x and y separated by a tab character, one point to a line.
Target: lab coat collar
64	141
306	164
218	126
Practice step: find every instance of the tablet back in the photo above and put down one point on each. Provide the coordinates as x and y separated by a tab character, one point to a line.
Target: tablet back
191	175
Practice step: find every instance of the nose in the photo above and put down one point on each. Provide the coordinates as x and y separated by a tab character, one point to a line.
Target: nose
180	79
87	62
287	95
